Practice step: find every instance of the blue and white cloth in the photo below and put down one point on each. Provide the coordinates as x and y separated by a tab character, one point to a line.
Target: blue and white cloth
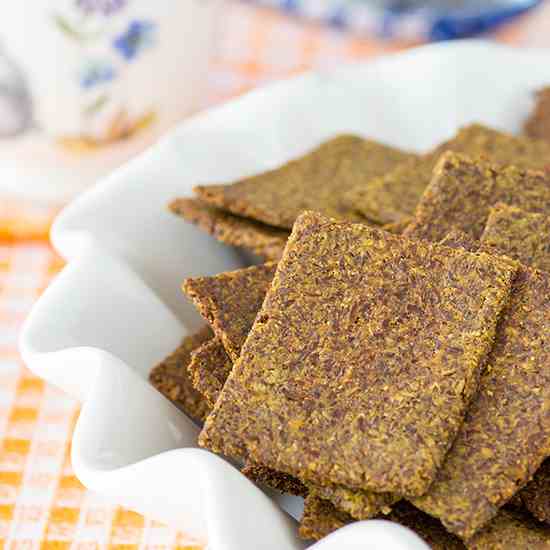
409	19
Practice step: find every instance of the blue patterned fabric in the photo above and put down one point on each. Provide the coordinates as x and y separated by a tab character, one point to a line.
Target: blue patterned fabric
409	19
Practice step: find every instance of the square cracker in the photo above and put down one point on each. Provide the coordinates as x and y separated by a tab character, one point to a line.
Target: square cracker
506	433
511	530
230	302
538	124
320	518
263	240
363	358
523	236
535	496
462	192
316	181
171	378
393	196
209	368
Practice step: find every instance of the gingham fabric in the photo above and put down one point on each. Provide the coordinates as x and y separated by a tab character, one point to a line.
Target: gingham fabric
42	504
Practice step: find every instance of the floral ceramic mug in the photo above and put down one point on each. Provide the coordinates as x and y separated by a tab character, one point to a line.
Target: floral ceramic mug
94	72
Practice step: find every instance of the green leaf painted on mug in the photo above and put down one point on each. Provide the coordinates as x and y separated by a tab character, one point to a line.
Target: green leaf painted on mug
69	30
96	105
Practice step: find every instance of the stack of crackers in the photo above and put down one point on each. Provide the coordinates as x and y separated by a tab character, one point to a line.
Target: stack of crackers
391	359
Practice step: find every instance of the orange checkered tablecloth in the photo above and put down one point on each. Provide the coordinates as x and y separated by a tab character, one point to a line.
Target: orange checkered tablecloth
42	504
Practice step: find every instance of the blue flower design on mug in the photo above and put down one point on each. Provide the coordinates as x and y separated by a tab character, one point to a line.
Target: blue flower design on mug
95	73
139	35
105	7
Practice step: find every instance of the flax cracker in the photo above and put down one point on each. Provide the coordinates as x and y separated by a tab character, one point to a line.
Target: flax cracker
392	196
321	518
275	480
523	236
338	381
511	530
230	302
316	181
535	496
172	379
463	191
397	228
209	368
263	240
456	238
506	433
538	124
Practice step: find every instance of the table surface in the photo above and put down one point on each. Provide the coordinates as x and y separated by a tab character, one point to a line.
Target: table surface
42	504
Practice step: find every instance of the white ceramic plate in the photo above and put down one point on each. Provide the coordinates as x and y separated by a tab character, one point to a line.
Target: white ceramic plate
117	309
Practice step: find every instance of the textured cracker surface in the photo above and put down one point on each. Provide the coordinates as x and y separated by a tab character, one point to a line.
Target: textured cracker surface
463	191
456	238
392	196
524	236
320	518
209	368
397	228
283	483
358	504
362	360
230	301
172	379
316	181
538	124
506	433
535	496
512	530
263	240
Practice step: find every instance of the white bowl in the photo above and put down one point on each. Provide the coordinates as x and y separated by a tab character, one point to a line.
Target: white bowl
117	309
